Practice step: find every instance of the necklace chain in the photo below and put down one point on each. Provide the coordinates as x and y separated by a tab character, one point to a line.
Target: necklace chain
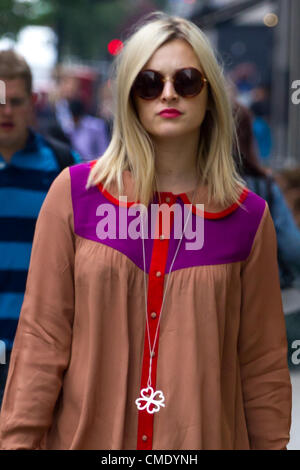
151	351
151	400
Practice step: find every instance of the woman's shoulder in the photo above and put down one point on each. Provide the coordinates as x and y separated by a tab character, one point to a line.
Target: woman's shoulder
256	207
79	175
58	200
255	199
80	172
60	185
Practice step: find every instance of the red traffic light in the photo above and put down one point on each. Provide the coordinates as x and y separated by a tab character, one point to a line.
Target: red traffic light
115	46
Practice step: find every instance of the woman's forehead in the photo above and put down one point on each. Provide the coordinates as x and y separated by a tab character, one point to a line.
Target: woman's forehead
173	55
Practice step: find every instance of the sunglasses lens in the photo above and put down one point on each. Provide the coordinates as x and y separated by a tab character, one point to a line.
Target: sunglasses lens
148	85
188	82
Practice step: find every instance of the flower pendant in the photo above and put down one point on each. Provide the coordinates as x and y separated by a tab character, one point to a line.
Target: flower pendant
150	401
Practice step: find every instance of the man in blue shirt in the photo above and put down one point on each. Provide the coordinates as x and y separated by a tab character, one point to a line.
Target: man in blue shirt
28	165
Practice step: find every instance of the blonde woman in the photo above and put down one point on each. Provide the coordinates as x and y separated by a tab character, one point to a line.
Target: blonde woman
136	341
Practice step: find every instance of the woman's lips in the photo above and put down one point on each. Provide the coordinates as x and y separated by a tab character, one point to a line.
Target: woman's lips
170	113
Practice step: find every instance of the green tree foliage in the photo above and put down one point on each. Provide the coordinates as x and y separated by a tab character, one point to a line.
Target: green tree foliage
83	27
14	15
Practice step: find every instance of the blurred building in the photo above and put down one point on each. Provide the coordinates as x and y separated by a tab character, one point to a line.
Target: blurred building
264	34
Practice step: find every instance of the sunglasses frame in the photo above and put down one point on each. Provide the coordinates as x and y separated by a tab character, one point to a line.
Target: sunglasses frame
164	79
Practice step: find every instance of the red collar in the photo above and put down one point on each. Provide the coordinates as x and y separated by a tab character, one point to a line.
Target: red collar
173	197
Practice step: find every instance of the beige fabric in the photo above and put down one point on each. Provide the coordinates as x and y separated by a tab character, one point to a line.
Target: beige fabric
76	364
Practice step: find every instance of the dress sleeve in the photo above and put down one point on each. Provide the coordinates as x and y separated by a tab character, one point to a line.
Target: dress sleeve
262	345
42	344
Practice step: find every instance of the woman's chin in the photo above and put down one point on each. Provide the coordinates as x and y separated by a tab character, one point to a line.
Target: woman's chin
170	133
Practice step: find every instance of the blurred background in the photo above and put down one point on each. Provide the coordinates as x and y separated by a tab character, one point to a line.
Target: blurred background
256	39
70	46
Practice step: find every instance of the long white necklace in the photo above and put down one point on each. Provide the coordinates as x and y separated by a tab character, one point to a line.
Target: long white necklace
148	396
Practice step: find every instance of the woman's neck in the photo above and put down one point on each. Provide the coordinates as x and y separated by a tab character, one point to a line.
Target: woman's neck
176	165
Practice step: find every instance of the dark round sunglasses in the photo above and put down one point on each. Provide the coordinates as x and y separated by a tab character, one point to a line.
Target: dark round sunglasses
187	82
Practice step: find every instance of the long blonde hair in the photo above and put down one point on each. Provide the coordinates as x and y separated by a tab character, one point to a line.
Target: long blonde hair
131	146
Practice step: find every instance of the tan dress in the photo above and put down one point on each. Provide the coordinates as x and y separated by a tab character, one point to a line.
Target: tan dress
81	353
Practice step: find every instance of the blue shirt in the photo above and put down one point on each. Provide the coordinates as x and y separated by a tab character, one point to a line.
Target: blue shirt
24	183
263	136
287	231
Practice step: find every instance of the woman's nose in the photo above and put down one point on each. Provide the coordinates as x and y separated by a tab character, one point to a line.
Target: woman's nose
169	92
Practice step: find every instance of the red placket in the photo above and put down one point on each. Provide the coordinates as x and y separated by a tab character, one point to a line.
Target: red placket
154	303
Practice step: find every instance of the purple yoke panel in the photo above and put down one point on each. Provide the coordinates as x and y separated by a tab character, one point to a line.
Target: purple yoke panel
226	240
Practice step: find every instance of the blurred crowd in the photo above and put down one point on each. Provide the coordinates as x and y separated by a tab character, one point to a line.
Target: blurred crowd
76	111
252	110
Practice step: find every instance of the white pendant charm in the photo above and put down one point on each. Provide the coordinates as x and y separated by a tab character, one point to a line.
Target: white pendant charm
148	397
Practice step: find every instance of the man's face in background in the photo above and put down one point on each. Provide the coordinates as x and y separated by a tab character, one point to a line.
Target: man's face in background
15	116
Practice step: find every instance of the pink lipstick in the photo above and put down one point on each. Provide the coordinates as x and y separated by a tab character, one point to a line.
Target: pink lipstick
170	113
